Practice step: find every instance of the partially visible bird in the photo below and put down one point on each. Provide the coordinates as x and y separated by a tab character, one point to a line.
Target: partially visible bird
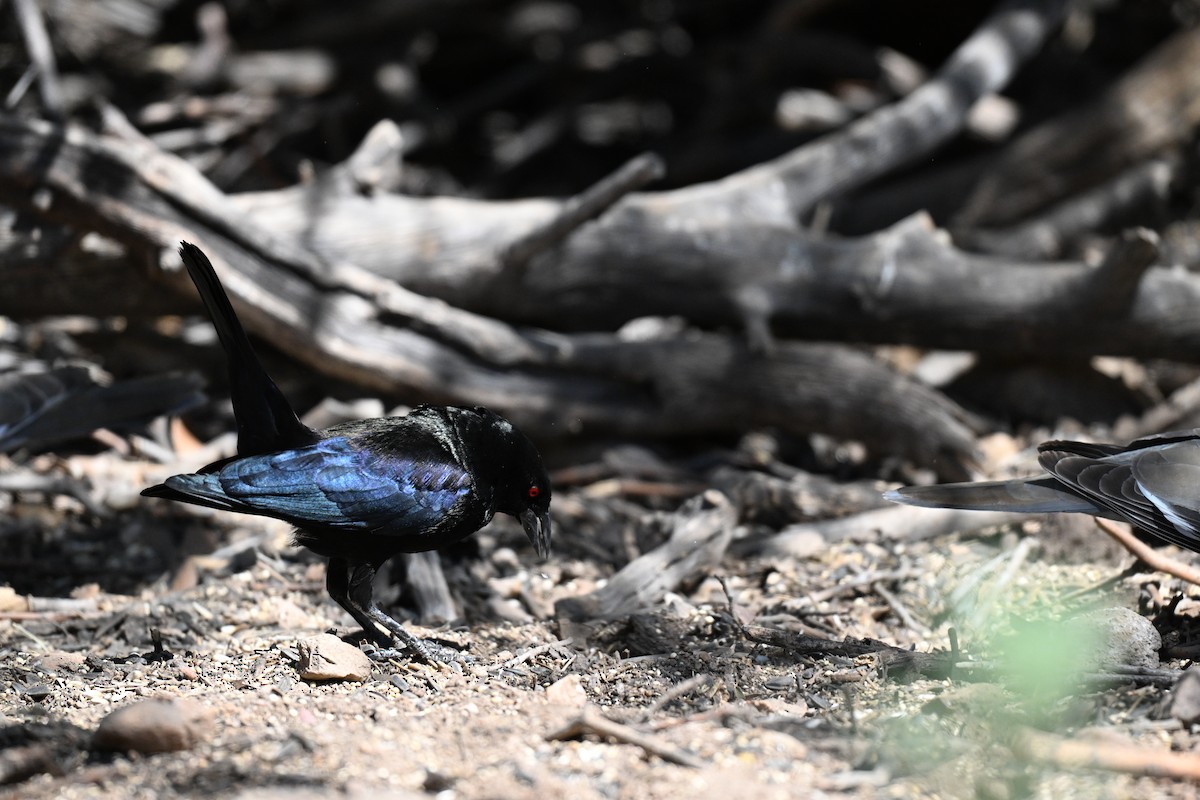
38	409
1152	483
362	491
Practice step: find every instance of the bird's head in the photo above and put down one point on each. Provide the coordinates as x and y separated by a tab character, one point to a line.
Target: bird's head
522	487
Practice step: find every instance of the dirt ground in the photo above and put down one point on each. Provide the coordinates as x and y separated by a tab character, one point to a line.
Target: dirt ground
683	681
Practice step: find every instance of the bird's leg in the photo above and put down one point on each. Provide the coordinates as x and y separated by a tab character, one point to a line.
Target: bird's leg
337	583
361	589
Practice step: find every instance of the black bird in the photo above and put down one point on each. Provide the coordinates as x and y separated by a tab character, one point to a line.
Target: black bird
363	491
1152	483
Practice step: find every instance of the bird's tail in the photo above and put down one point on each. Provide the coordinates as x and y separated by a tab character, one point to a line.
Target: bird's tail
1032	495
265	419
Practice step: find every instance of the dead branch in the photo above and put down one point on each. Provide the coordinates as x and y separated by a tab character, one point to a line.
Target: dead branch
894	659
1156	106
353	325
780	191
591	723
900	523
1147	554
41	54
703	528
1047	235
1046	748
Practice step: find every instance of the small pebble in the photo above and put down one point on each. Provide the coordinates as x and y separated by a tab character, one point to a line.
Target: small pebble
567	691
1184	702
36	692
325	657
154	726
60	661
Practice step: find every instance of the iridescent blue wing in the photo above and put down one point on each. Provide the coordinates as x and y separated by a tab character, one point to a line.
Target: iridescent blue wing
332	484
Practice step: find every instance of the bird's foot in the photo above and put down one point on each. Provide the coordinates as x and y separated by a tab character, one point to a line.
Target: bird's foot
424	650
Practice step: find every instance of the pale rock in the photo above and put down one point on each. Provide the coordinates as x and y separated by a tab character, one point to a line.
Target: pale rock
154	726
567	691
325	657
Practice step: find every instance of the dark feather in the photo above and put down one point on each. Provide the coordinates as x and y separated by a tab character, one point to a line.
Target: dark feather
1152	483
43	408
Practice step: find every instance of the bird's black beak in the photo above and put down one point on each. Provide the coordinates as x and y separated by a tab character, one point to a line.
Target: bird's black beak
537	527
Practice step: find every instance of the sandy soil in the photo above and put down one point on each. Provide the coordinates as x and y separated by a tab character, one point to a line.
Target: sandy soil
751	720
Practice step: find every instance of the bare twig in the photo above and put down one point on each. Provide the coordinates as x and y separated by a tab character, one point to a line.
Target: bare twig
894	135
702	530
37	41
589	722
898	523
1113	286
986	598
1147	554
29	481
862	581
534	652
694	683
1046	748
899	609
1047	235
1167	415
579	209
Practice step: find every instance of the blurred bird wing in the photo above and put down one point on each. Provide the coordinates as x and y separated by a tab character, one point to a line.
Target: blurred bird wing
25	397
331	484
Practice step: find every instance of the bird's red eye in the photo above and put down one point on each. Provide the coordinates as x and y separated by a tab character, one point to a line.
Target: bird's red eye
534	492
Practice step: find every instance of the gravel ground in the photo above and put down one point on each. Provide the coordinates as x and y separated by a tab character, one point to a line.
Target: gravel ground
699	709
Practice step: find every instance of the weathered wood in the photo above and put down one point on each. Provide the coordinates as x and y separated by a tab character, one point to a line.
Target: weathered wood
1156	106
353	325
703	528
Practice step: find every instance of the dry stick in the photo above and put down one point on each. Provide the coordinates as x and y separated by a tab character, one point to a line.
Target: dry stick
1046	235
37	41
581	208
702	529
590	722
534	652
862	580
894	523
1112	286
28	481
594	381
1045	748
1147	554
1152	108
632	487
702	681
987	598
899	609
1182	403
899	134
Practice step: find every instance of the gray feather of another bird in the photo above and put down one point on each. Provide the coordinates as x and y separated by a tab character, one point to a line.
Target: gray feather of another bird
1031	495
1152	483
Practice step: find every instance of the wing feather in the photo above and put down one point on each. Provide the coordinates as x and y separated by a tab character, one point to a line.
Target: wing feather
333	485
